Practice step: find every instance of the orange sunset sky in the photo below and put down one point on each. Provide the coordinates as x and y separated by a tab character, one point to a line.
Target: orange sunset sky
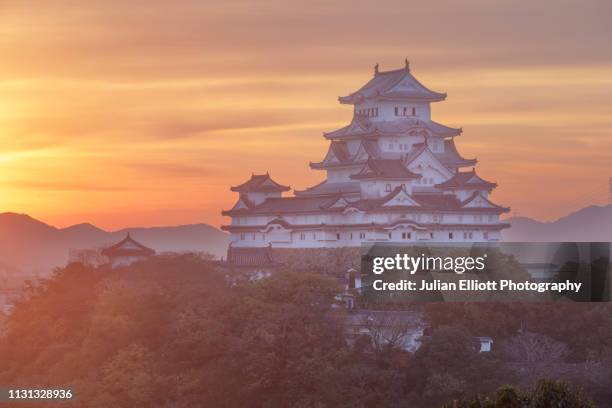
126	113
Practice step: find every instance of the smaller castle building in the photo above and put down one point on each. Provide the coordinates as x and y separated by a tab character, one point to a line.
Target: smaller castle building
126	252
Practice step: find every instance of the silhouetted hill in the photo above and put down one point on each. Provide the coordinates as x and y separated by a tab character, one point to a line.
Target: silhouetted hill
30	246
592	223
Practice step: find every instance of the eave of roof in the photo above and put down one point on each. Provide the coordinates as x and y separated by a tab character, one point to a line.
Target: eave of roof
428	202
428	225
368	128
385	169
118	250
382	84
465	180
257	184
494	206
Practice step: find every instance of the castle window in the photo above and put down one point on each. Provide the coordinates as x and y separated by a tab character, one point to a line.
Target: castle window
389	235
302	236
242	237
485	235
405	110
396	111
351	236
413	111
450	235
337	236
362	235
388	187
375	111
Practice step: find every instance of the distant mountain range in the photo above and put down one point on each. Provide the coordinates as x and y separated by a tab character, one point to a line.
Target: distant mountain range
590	224
30	246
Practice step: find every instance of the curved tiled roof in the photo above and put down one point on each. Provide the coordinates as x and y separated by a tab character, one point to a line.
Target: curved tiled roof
260	183
467	179
385	169
363	126
451	156
384	85
490	205
339	151
128	247
319	204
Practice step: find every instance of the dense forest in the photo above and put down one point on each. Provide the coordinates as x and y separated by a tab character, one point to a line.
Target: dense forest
176	331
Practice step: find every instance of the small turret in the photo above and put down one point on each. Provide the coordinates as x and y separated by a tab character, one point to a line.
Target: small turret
260	187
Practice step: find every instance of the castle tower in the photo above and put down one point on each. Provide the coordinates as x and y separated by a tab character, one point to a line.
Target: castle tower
391	174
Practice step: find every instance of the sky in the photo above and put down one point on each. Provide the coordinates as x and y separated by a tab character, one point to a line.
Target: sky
143	113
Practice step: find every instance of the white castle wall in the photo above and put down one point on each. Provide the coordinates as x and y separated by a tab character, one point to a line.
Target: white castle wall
387	112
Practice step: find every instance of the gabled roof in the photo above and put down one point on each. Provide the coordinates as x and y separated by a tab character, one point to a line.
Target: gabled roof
422	149
467	180
359	125
398	84
477	200
399	197
260	183
339	202
385	169
451	156
243	204
250	257
364	126
337	155
128	247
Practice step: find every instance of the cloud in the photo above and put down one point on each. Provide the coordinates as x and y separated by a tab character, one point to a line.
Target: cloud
174	102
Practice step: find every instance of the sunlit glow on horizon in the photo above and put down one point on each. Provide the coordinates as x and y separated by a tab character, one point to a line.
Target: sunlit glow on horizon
125	114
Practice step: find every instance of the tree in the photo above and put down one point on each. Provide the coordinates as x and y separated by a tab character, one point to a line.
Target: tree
448	364
547	393
536	354
388	329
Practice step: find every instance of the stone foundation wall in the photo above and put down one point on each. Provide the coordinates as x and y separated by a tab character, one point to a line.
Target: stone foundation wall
331	261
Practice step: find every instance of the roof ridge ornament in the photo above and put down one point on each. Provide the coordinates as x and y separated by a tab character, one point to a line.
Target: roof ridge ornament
407	64
376	69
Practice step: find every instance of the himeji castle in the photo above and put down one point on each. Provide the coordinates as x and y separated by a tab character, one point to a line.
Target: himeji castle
392	175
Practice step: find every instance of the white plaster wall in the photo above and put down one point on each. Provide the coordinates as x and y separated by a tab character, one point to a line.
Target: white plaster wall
386	110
